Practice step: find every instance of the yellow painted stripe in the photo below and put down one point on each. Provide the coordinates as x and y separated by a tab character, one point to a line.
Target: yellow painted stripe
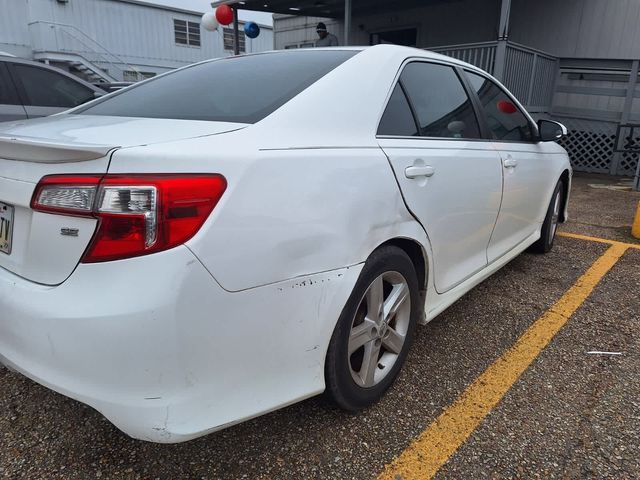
597	239
635	228
431	450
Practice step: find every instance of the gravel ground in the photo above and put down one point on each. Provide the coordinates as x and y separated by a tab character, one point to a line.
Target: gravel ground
571	415
601	212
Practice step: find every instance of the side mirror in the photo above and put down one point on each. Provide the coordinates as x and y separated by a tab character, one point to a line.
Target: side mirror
551	131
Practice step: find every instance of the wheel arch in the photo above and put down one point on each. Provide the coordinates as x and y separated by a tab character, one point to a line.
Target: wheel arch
416	253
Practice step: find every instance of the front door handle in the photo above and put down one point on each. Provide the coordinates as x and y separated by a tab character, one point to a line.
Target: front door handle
416	171
510	162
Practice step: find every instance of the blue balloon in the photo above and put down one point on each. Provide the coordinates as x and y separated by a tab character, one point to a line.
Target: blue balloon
251	29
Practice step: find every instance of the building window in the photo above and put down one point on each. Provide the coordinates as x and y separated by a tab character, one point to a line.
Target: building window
133	76
301	45
228	40
186	33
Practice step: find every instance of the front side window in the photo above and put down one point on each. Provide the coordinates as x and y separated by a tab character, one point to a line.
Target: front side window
504	118
242	89
397	119
45	88
441	104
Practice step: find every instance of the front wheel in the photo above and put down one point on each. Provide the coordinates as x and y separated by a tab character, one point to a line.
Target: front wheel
375	330
550	225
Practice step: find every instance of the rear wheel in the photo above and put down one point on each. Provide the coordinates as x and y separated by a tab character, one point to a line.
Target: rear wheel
550	225
375	330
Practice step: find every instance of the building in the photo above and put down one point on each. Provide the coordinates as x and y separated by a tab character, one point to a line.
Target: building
114	40
572	60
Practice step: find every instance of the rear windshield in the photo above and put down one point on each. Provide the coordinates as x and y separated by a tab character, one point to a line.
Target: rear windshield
241	89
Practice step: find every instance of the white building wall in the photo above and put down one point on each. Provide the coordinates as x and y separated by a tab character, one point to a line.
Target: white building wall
140	35
14	33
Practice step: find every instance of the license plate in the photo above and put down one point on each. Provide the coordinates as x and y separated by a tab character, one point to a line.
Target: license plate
6	227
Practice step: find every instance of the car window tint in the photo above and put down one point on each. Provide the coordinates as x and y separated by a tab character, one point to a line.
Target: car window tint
440	101
242	89
45	88
505	120
397	118
7	90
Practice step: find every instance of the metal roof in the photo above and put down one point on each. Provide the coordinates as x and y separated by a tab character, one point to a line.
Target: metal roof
326	8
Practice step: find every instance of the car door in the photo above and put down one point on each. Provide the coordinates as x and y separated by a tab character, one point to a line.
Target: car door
10	106
45	91
449	175
526	169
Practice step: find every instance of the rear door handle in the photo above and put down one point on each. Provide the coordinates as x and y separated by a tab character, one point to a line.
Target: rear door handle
510	162
416	171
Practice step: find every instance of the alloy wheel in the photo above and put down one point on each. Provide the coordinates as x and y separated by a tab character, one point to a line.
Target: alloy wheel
379	329
554	218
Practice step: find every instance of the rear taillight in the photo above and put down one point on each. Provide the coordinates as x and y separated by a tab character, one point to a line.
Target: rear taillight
137	214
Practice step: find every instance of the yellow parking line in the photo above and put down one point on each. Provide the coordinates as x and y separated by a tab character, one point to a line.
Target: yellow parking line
597	239
433	448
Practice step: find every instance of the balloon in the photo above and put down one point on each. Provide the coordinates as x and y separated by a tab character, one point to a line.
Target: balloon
209	22
224	14
251	29
507	107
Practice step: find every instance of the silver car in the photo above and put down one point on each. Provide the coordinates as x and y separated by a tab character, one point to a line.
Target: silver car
31	89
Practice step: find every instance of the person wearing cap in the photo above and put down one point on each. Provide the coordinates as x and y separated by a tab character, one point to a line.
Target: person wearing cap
326	39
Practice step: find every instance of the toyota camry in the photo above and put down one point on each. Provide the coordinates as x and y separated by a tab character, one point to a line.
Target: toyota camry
243	233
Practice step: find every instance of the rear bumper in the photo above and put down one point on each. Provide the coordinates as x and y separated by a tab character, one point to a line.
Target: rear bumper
162	351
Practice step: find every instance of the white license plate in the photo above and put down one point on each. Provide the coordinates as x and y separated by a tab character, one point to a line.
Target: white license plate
6	227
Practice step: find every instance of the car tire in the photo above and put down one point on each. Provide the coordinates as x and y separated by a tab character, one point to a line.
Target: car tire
550	226
375	330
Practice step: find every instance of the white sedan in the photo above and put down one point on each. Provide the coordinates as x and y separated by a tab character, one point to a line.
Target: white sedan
244	233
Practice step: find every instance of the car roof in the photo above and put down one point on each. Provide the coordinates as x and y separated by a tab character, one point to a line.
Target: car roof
386	48
23	61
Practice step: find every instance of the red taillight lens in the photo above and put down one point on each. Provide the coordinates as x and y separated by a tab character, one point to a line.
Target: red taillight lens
138	214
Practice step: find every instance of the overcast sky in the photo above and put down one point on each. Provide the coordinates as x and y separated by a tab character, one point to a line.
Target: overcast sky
205	5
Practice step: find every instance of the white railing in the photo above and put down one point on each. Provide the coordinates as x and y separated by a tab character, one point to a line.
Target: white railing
68	39
529	73
482	55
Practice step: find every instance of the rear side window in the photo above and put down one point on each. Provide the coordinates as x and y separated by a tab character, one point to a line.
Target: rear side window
505	120
397	119
242	89
7	90
45	88
440	101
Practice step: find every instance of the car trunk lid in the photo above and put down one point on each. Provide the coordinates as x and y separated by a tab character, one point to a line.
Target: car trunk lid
44	247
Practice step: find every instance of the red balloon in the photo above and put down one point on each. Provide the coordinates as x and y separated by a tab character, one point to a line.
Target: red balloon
506	107
224	14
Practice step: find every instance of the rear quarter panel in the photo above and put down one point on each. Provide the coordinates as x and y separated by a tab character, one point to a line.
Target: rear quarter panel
286	212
